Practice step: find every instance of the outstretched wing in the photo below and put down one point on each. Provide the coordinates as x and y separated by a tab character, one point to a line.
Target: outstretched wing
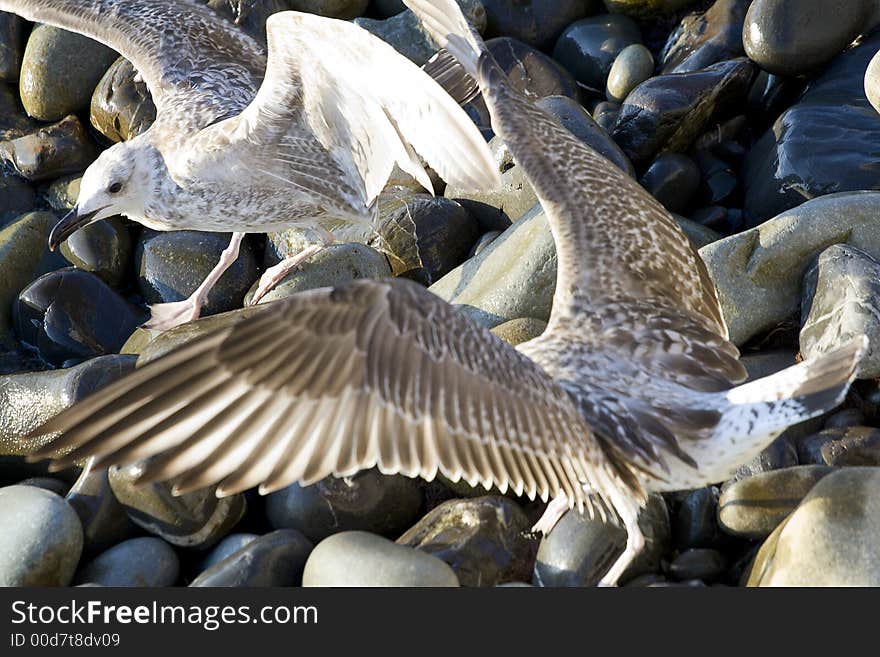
332	381
194	62
339	108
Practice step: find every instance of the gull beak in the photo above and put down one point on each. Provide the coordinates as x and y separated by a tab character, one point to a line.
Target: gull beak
71	223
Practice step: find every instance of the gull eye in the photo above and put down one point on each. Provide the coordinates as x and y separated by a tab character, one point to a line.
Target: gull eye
115	188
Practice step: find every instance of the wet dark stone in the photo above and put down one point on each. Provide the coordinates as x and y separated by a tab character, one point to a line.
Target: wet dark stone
12	39
103	248
171	265
250	15
276	559
672	179
668	112
531	71
103	518
368	501
699	563
848	417
694	521
13	120
588	47
229	545
16	198
424	237
121	108
195	520
781	453
579	550
701	40
605	115
821	145
719	184
849	446
50	152
535	22
72	315
144	561
485	540
50	484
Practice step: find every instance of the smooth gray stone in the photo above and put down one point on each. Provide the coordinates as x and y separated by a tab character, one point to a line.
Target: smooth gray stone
358	558
698	564
50	151
229	545
830	539
849	446
793	37
195	520
144	561
759	272
50	484
632	66
121	108
41	541
485	540
103	248
580	549
29	400
368	501
672	179
840	301
275	559
754	507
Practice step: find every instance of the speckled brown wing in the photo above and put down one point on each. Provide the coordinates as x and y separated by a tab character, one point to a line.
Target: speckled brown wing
194	62
373	373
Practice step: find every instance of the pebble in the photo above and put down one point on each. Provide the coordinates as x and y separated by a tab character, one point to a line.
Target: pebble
103	518
59	72
144	561
12	39
793	37
335	265
41	541
821	144
850	446
535	22
368	501
830	539
195	520
226	547
28	400
388	8
24	255
50	484
356	558
275	559
103	248
530	71
839	301
16	198
405	32
171	265
753	507
579	550
50	152
698	564
520	330
632	66
588	47
120	107
672	178
759	272
668	112
843	419
424	237
694	519
71	315
485	540
605	115
704	39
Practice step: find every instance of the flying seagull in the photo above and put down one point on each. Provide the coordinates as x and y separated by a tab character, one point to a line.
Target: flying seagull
633	388
246	141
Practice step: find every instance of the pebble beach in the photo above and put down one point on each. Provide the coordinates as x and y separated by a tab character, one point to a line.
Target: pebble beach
753	122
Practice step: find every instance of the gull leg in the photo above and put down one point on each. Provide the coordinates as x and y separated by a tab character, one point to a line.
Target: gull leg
552	514
635	542
276	273
164	316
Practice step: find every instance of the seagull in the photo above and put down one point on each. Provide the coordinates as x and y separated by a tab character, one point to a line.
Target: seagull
634	387
248	141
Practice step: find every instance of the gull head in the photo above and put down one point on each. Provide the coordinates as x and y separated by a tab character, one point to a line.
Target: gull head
118	182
